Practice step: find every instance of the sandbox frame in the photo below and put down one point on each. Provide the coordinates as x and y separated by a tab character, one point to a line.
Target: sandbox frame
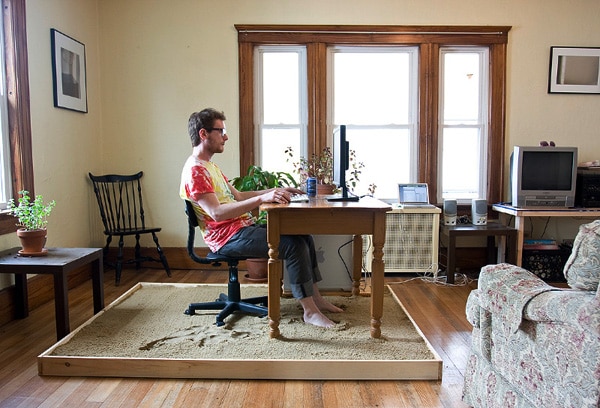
53	365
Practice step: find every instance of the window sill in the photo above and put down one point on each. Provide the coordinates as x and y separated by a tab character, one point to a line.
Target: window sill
7	224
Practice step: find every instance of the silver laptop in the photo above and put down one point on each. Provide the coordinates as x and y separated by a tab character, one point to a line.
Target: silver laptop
414	195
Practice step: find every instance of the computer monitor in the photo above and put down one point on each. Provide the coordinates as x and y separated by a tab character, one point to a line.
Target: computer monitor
341	163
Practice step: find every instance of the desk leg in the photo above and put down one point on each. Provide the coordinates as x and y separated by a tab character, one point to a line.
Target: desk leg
491	247
98	284
502	242
451	258
21	306
518	240
377	278
275	276
520	227
357	264
61	304
512	247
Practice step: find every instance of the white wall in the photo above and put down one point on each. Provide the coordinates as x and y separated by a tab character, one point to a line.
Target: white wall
66	144
151	63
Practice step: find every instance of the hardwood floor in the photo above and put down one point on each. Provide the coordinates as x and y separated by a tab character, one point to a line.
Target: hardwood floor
438	310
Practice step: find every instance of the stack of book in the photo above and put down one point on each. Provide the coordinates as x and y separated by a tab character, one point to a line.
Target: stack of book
540	244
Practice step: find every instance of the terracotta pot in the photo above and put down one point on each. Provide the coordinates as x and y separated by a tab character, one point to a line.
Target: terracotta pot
257	270
32	241
325	189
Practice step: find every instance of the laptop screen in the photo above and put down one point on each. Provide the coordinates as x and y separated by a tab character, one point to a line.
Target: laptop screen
413	193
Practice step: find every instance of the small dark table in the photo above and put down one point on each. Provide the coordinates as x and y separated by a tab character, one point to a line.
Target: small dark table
59	262
507	235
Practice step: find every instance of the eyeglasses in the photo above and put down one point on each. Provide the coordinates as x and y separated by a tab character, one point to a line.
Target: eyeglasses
223	131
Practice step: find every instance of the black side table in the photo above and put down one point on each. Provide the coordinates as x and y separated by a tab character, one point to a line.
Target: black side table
507	239
59	262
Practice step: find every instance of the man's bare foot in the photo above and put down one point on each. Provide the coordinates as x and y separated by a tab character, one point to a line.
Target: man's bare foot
322	304
318	319
326	306
312	314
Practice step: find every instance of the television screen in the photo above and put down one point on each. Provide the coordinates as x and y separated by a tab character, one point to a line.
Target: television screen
549	170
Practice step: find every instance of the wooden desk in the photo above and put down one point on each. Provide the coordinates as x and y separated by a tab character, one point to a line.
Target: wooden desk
520	214
490	230
319	216
59	262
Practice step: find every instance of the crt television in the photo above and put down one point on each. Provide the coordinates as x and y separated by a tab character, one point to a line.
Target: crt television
543	176
341	163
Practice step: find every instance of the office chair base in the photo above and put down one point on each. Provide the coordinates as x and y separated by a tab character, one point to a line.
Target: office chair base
256	305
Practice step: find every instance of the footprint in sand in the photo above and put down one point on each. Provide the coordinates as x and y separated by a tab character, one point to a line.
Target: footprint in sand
198	334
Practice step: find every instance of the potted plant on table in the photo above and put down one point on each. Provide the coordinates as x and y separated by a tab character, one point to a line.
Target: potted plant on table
320	166
32	216
257	179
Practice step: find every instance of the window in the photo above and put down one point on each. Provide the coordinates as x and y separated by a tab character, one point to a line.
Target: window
5	172
394	87
463	123
281	92
373	93
19	156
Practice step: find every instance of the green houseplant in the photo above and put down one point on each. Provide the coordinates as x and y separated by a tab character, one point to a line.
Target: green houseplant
320	166
257	179
32	220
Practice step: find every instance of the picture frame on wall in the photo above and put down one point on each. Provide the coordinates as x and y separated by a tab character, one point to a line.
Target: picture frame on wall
574	70
68	72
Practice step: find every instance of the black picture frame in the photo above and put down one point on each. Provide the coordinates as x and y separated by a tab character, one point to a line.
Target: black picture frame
574	70
68	72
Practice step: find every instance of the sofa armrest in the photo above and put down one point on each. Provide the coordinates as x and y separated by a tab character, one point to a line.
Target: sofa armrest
567	306
505	290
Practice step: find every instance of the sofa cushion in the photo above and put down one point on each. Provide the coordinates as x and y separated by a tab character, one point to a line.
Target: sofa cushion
582	269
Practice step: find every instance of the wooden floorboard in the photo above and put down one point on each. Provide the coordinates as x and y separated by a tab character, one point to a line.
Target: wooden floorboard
438	311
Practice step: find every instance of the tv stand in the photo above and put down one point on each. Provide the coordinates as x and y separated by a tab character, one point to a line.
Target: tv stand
521	213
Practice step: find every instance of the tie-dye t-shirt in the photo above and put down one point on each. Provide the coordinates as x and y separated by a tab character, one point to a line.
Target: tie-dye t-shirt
200	177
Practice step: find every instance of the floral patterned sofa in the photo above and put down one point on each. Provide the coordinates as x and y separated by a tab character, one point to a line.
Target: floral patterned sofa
535	345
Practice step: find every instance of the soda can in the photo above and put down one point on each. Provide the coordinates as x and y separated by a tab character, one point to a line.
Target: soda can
311	186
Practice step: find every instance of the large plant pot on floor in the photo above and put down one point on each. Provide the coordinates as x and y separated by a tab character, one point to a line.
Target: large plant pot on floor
32	242
257	270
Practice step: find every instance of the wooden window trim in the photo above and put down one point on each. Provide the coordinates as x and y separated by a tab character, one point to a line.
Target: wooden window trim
19	122
429	39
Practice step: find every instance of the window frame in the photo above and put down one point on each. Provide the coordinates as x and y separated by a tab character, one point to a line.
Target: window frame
19	119
429	39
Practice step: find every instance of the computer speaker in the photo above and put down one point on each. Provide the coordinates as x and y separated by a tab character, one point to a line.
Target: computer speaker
449	212
479	212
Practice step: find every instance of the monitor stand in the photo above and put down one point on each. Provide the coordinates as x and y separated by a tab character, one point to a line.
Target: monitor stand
345	197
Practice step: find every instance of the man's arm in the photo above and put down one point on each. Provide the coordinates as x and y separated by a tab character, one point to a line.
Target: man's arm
245	201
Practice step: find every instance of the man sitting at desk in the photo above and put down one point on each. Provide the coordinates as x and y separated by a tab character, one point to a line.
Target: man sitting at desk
226	222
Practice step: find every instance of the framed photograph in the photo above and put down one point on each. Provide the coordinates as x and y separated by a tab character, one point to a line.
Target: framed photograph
68	72
574	70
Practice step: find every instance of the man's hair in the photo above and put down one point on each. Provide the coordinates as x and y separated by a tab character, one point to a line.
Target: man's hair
204	119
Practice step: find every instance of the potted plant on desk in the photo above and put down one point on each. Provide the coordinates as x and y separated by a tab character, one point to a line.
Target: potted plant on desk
320	166
32	218
257	179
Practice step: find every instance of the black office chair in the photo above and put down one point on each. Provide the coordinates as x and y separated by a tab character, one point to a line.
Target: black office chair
121	209
231	302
